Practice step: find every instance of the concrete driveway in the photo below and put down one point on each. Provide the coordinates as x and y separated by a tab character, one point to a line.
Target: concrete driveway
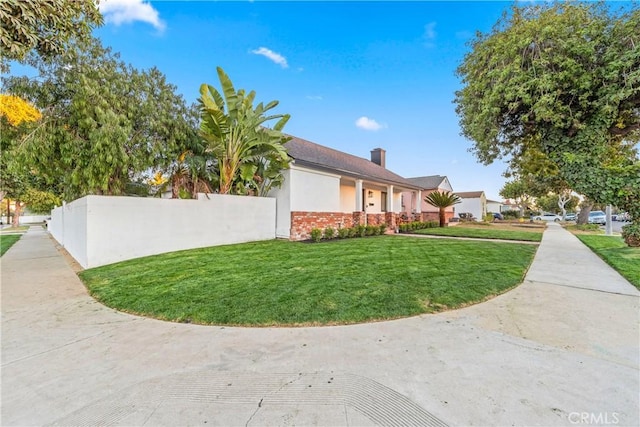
560	349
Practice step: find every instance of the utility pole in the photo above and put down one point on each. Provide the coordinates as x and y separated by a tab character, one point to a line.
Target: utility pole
609	226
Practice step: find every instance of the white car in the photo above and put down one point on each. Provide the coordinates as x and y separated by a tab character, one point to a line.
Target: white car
597	217
546	216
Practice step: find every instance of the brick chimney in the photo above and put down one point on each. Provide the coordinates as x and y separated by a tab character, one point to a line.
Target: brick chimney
378	156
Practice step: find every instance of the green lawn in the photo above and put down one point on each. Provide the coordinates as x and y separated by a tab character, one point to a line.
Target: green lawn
294	283
486	232
7	240
617	254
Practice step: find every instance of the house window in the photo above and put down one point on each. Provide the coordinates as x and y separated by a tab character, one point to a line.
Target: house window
383	202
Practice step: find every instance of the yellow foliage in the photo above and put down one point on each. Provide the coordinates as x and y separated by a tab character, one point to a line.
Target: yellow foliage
158	179
17	110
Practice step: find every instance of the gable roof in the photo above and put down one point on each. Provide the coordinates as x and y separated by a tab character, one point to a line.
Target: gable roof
470	194
428	182
306	153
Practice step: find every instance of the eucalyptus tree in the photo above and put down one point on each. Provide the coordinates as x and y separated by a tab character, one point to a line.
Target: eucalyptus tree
249	154
105	124
563	79
442	200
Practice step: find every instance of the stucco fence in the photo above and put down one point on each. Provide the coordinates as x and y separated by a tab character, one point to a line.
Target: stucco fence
100	230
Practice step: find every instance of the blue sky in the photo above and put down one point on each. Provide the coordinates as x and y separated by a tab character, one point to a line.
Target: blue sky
353	75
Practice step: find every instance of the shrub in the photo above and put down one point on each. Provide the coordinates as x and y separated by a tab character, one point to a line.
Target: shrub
586	227
631	234
511	214
316	234
329	233
383	228
369	230
343	233
353	232
489	217
361	230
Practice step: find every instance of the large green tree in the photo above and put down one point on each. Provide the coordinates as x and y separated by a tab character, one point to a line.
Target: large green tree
44	26
562	79
249	155
18	181
104	125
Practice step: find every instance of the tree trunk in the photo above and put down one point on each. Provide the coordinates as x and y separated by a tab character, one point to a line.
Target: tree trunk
562	201
583	216
443	218
16	214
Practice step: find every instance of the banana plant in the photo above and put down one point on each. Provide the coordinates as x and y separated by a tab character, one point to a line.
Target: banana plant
237	135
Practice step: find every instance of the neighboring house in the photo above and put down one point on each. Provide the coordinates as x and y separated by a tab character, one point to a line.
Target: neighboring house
474	202
329	188
429	184
494	206
510	205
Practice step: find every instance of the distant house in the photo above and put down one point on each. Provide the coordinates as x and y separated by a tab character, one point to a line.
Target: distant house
474	202
510	205
429	184
494	206
329	188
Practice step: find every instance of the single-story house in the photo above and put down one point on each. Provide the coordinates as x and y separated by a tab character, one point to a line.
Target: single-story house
474	202
494	206
429	184
510	205
328	188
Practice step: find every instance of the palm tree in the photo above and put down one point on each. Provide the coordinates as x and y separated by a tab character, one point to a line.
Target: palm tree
442	200
237	136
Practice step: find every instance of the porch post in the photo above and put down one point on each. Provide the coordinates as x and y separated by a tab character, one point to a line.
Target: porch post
358	195
390	198
419	202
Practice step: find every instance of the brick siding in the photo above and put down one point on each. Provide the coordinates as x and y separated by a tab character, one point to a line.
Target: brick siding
303	222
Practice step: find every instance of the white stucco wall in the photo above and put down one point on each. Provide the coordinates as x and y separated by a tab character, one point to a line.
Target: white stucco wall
283	206
476	206
494	207
313	191
348	198
373	204
397	202
99	230
68	226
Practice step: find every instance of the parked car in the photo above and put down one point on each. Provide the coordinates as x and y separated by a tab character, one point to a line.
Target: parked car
597	217
570	217
546	216
497	215
623	216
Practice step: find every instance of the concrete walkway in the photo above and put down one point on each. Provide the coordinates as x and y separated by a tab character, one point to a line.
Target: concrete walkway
561	349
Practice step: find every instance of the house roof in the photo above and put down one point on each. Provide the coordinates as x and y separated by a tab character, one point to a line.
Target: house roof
494	201
470	194
306	153
428	182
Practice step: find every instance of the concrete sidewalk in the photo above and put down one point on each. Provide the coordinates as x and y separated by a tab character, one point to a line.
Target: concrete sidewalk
560	349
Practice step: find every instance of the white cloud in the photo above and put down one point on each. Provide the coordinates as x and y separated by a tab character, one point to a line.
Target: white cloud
120	12
273	56
369	124
430	31
429	35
